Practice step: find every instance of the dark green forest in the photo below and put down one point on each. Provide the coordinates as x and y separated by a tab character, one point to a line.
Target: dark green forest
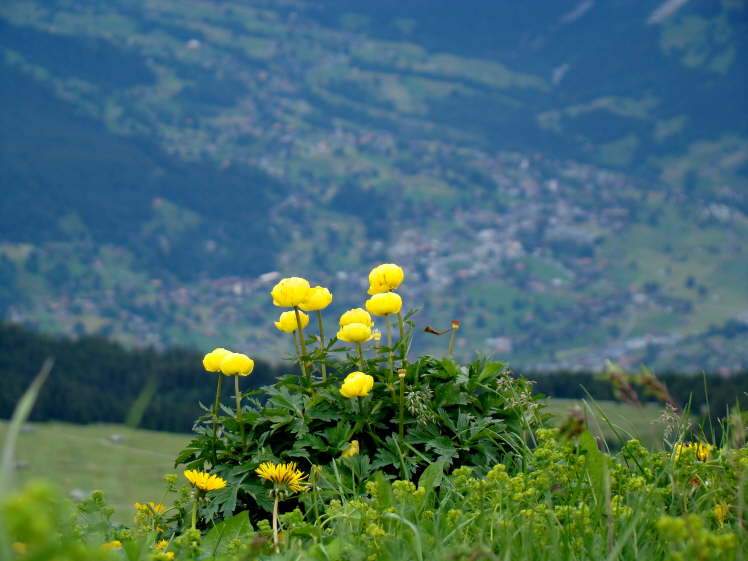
97	380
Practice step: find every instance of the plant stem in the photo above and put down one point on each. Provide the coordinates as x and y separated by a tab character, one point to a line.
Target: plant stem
239	410
322	343
298	351
275	521
402	337
451	341
388	322
300	329
401	374
194	510
215	417
360	349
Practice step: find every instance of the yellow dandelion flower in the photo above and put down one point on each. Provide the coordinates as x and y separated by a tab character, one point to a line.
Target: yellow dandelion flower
204	481
161	545
165	556
283	474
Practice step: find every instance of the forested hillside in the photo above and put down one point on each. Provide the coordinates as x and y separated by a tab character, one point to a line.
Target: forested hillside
568	180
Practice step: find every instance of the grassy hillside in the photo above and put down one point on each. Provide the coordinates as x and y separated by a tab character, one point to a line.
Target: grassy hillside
127	464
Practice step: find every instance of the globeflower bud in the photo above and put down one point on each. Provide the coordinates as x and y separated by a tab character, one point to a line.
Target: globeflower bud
354	333
237	364
212	360
290	292
356	384
385	277
356	315
319	298
287	321
384	304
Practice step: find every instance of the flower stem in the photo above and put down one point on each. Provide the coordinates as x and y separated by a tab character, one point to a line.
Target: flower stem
300	329
239	410
194	510
298	351
215	417
451	341
360	349
403	349
388	322
322	343
275	522
401	374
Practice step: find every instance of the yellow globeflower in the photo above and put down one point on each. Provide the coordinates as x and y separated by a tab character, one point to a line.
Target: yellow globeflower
237	364
287	321
212	361
354	333
384	304
351	450
356	384
287	475
385	277
319	298
290	292
356	315
204	481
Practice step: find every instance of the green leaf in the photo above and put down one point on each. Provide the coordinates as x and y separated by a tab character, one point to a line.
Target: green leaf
217	540
595	464
432	476
490	370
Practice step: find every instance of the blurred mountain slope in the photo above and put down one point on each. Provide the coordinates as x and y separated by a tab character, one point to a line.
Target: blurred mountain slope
568	179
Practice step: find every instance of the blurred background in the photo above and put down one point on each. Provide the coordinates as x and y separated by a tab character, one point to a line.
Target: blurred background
569	179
